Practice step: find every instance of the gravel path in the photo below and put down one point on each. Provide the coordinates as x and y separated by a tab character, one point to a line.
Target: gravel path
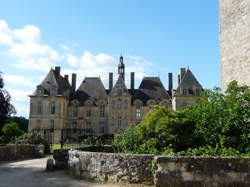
30	173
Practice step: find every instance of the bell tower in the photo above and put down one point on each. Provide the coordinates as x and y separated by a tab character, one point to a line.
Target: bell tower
121	68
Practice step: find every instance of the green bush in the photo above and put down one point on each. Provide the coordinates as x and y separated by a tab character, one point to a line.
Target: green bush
217	125
10	131
159	130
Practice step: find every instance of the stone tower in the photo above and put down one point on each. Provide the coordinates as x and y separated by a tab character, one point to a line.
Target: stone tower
235	41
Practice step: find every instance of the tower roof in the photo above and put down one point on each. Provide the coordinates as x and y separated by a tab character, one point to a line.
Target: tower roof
189	79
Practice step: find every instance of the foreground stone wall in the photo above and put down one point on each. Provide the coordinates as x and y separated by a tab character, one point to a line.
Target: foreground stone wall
161	171
111	167
235	41
197	171
8	153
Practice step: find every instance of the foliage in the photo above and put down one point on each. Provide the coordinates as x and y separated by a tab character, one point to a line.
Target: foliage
160	129
10	131
6	108
217	125
224	119
32	139
21	121
206	151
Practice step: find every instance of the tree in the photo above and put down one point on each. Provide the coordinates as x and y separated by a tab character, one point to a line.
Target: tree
21	121
6	108
10	131
223	119
160	129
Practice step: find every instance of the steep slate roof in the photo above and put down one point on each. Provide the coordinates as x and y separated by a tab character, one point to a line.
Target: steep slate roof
188	80
91	88
151	88
59	82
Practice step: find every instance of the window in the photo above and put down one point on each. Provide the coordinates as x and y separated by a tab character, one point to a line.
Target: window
119	104
88	112
88	124
38	124
74	111
52	108
101	111
74	125
39	108
52	124
119	91
138	110
184	91
101	128
119	122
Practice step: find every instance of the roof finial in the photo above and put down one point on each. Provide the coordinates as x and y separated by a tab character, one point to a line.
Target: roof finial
158	74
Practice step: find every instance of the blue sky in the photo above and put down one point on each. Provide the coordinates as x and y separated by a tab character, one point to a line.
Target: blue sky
86	37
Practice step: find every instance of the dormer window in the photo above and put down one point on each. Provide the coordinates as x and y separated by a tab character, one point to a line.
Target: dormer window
119	92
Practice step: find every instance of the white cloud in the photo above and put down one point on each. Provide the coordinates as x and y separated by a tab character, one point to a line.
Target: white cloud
18	80
25	44
65	47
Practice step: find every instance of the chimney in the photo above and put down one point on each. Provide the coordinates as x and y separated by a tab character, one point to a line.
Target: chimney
179	79
57	71
73	82
66	77
110	81
132	80
170	81
183	71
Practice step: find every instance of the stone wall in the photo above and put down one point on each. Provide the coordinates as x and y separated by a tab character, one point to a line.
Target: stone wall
111	167
198	171
8	153
161	171
235	41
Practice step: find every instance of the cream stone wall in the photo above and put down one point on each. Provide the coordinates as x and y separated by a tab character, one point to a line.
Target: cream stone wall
235	41
45	117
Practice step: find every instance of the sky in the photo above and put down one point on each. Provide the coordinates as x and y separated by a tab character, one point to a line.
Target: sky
88	36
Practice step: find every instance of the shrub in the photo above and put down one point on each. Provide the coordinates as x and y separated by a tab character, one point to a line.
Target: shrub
10	131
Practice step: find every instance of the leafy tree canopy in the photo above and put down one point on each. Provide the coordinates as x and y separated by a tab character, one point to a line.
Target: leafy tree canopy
218	124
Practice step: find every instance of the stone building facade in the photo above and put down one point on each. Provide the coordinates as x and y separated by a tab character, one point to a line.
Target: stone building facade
57	105
235	41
